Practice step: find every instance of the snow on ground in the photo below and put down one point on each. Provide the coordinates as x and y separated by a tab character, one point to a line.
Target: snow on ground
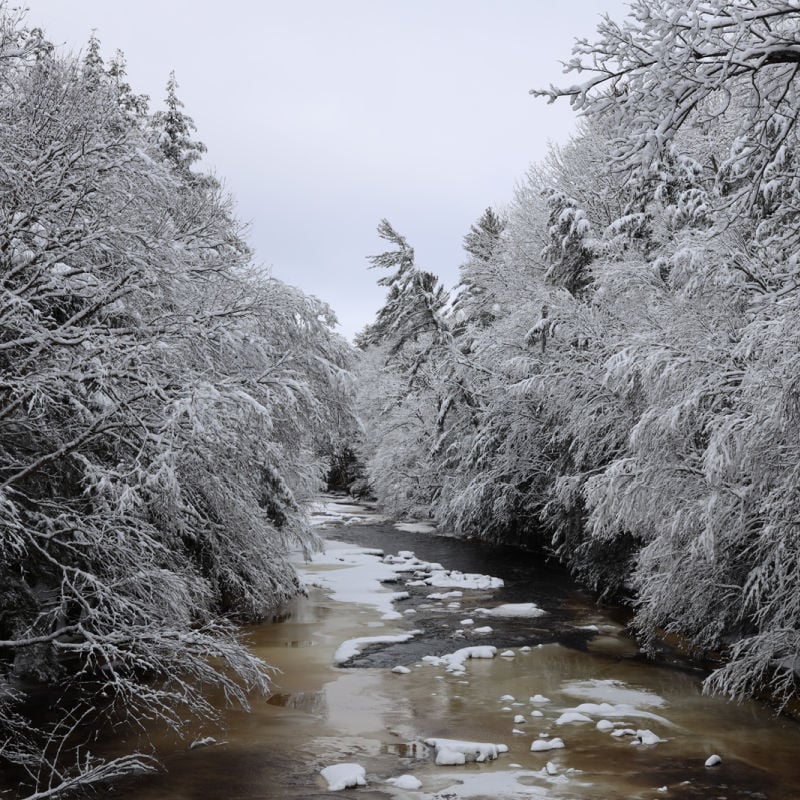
338	510
512	610
344	776
361	572
353	647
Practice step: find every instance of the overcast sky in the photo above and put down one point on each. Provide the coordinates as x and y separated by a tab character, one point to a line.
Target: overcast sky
322	117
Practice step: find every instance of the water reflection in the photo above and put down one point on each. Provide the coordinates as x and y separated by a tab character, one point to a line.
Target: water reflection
320	715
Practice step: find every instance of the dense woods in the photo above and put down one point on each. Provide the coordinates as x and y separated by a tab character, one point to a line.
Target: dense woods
615	377
613	380
166	410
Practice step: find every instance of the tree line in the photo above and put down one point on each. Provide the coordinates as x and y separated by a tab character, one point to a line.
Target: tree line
167	410
615	377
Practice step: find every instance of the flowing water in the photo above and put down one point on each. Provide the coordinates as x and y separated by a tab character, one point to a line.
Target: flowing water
320	714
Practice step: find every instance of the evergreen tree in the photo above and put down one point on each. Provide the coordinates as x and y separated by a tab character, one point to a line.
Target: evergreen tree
173	131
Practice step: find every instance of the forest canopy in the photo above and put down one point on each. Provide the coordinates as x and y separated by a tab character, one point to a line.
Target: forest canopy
615	379
166	413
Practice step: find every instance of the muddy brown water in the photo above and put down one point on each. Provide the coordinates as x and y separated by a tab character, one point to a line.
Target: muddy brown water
320	714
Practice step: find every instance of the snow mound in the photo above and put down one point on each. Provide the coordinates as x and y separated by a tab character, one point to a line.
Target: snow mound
512	610
353	647
465	580
344	776
400	670
454	662
406	782
618	710
538	698
572	716
461	751
647	737
414	527
541	745
613	691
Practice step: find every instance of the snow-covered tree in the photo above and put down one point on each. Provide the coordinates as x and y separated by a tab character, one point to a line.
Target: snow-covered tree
173	129
163	414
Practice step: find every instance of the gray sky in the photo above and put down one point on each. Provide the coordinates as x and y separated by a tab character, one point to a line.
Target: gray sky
324	117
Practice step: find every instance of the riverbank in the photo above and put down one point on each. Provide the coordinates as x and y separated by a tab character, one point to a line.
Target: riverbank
327	709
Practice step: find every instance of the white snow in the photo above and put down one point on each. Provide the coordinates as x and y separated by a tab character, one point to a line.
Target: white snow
508	654
471	751
713	761
612	691
604	725
572	716
455	661
406	782
446	577
466	622
647	737
483	629
445	595
508	698
414	527
519	719
536	713
540	745
624	732
400	670
538	698
620	710
352	647
344	776
512	610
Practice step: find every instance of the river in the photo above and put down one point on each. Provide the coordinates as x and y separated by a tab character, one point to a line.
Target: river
322	713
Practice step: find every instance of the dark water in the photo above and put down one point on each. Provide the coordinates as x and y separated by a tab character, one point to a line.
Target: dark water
320	714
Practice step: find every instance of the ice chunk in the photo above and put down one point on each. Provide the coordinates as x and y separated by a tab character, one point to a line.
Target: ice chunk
344	776
467	621
483	629
538	698
352	647
647	737
551	768
508	698
572	716
519	719
400	670
451	578
713	761
470	751
604	725
540	745
508	654
624	732
512	610
536	713
406	782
